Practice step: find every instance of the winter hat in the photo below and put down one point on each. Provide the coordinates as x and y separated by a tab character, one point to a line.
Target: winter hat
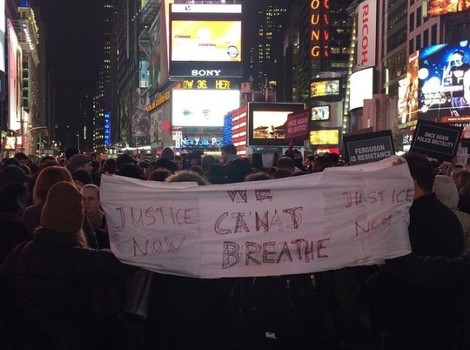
77	161
63	211
167	152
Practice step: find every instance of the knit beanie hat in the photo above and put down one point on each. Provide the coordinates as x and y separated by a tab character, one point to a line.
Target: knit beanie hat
63	211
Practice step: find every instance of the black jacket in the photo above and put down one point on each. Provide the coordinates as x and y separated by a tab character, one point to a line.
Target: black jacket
48	285
434	229
423	303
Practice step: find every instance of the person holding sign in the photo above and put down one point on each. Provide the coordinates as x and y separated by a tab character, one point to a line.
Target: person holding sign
412	316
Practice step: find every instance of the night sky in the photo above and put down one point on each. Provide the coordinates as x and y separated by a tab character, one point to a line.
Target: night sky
74	44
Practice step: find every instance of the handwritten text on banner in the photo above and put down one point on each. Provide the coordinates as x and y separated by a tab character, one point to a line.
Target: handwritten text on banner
345	216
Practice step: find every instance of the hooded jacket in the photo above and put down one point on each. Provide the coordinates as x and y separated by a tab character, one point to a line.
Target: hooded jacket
446	192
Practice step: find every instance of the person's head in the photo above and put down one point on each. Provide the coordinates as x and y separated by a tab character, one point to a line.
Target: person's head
47	161
187	176
13	173
237	170
109	166
165	163
259	176
228	151
123	159
80	162
285	163
48	177
179	161
422	171
90	198
159	175
130	170
461	179
168	153
207	161
257	161
63	211
320	163
457	57
22	157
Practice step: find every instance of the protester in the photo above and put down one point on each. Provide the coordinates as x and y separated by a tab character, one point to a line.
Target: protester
187	313
446	192
12	227
109	166
461	178
47	284
94	213
47	178
409	316
80	162
229	153
434	229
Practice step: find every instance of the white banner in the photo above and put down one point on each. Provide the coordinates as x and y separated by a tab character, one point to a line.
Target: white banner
345	216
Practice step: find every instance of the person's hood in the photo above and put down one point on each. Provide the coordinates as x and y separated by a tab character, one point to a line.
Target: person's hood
446	191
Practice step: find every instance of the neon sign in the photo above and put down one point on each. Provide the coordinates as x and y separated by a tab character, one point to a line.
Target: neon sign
319	34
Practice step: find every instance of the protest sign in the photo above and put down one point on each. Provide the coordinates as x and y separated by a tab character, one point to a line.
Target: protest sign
297	125
368	147
437	140
345	216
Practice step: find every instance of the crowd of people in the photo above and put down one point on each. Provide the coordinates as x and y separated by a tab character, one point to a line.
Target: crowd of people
62	288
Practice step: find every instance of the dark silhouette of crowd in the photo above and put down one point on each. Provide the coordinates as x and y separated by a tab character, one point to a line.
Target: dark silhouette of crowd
62	288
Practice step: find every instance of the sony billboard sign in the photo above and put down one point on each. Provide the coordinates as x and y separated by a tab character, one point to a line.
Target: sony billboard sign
366	33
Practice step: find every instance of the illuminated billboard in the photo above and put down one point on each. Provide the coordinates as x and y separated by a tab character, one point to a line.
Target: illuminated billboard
325	88
15	72
202	107
366	33
442	7
408	92
268	122
205	40
361	87
444	82
320	113
325	137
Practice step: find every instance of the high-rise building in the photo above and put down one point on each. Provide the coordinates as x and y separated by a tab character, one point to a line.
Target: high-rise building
100	132
265	28
27	31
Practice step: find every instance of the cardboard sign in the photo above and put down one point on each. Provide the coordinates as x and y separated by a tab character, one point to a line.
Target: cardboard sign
297	125
368	147
437	140
345	216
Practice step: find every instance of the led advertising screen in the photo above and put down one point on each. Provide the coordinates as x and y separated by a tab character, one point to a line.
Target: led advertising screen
203	107
325	137
320	113
442	7
361	87
444	82
325	87
268	122
408	92
205	40
15	72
